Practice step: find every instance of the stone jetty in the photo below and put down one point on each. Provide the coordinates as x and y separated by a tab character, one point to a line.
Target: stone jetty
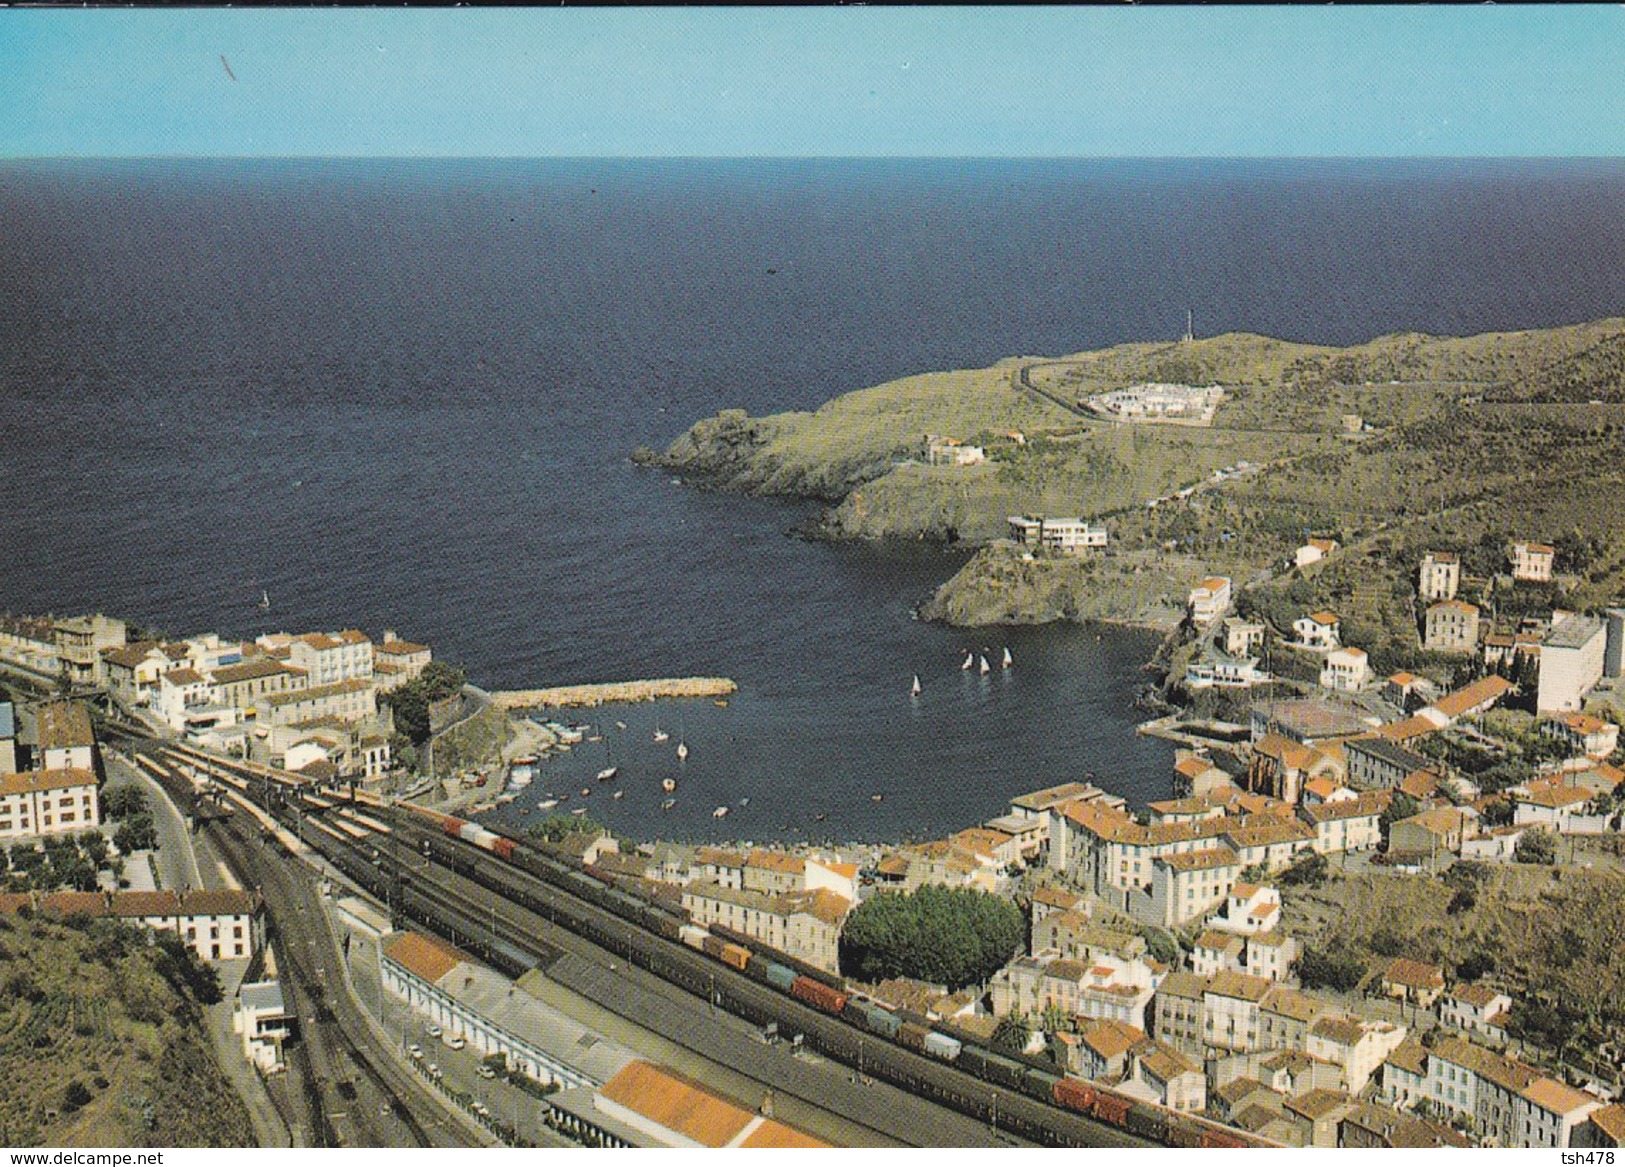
611	692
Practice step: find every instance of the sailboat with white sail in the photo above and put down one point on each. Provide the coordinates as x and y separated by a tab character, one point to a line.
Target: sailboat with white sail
914	689
984	667
1008	659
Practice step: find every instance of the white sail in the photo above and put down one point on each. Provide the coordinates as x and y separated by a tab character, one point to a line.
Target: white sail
914	690
660	734
1007	657
970	659
985	667
682	751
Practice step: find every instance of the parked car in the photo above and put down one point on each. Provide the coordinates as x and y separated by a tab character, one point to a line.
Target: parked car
486	1072
457	1043
435	1031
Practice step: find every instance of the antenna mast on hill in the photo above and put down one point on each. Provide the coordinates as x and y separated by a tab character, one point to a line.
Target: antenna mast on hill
1190	331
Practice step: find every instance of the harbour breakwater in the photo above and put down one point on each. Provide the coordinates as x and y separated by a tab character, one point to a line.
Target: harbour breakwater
612	692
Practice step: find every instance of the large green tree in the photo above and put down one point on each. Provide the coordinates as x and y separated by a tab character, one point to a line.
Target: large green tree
411	701
948	936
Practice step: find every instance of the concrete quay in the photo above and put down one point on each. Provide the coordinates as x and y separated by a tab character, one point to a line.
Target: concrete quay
612	692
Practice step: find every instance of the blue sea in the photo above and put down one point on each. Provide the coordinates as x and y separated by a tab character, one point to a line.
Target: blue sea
401	394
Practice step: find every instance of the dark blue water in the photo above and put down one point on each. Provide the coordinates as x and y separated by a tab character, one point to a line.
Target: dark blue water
402	393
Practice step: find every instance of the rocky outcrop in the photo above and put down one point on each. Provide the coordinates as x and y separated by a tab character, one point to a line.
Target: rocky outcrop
1003	585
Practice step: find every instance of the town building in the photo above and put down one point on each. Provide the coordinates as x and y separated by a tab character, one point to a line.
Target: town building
1226	672
1375	763
805	925
396	661
241	686
1613	660
343	701
332	658
1604	1128
1431	838
1311	721
8	738
1210	599
645	1105
263	1020
80	642
1451	626
1102	1051
1279	767
1319	630
1358	1046
1157	401
1346	824
495	1015
48	802
1105	988
66	738
1242	638
1583	734
1439	577
945	451
1067	536
1571	660
1413	981
1314	551
1532	561
1476	1009
1347	670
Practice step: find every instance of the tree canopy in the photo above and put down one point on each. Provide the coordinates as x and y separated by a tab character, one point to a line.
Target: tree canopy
947	936
411	701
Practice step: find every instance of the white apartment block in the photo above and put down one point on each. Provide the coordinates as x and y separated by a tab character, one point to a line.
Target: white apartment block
1571	662
805	925
330	658
1069	536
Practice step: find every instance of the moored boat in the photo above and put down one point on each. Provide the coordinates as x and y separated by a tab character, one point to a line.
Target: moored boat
720	812
668	785
607	773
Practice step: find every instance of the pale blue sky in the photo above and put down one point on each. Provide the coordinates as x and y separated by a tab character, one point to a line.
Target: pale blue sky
823	81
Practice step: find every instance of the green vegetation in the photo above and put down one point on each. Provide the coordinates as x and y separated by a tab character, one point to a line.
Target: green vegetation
60	862
1308	871
411	701
1011	1035
101	1041
1537	847
1464	434
1341	971
948	936
559	826
137	830
1554	934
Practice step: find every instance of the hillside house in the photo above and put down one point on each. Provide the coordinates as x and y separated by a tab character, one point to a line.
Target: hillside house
1571	663
1318	630
1314	551
1583	734
1532	561
1451	626
1439	577
1209	600
1347	670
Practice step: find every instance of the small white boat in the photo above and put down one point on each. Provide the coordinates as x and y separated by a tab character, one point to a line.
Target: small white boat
547	804
1008	659
606	773
985	667
874	798
597	737
579	810
682	751
661	735
586	792
618	795
745	801
970	659
668	804
914	689
620	725
668	785
720	812
265	598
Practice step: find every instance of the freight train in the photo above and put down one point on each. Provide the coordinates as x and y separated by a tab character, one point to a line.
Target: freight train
826	993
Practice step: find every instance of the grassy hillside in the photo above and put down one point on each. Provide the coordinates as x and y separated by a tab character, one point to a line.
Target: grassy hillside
1468	442
1549	932
101	1042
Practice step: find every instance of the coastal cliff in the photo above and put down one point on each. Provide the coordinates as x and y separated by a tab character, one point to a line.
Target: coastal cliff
1305	438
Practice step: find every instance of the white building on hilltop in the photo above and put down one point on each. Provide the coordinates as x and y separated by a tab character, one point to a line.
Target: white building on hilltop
1070	536
1571	661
